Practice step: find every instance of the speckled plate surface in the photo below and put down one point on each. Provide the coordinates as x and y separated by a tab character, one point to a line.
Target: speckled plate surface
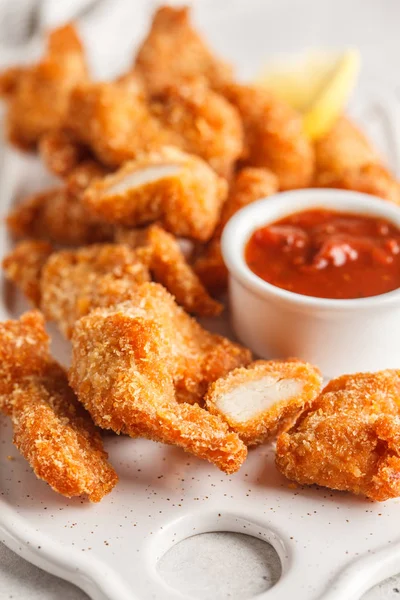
332	546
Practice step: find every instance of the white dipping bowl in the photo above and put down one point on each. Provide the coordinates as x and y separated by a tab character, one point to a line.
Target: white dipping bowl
340	336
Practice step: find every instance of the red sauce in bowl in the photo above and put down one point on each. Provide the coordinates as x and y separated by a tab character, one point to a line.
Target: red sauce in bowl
327	254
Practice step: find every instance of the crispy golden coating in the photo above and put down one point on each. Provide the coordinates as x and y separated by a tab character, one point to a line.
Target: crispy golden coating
51	429
250	184
343	148
263	399
178	189
57	216
127	368
74	282
61	152
23	266
274	136
83	175
173	50
346	159
350	437
37	96
115	123
202	122
161	251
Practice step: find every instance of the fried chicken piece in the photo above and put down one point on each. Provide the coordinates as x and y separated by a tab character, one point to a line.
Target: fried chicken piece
113	122
74	282
178	189
168	266
263	399
37	96
350	437
61	152
274	137
83	175
343	148
57	216
201	122
51	429
173	50
346	159
23	266
132	362
250	184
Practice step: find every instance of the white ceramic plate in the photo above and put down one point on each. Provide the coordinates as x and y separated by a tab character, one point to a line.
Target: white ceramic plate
332	546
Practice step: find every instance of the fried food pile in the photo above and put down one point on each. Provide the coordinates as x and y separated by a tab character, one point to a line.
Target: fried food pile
127	246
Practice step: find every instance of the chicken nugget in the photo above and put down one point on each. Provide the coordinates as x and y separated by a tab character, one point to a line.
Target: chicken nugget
349	438
161	251
113	122
346	159
61	152
23	266
73	282
57	216
51	429
263	399
201	121
274	136
37	96
250	184
126	367
178	189
173	50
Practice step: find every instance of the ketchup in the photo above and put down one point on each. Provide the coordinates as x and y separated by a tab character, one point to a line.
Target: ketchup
327	254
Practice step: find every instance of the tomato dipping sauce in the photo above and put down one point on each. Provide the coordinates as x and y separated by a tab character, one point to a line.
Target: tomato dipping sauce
327	254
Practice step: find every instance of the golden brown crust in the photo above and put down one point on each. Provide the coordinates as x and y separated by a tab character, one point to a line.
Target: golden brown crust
57	216
250	184
173	50
187	202
38	96
113	122
274	136
133	362
169	267
61	152
74	282
23	266
51	429
201	122
349	438
343	148
274	417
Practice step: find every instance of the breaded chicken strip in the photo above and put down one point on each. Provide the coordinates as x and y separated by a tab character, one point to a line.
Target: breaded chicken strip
250	184
132	363
202	122
57	216
51	429
263	399
350	437
168	266
37	96
346	159
23	266
173	50
178	189
113	122
274	136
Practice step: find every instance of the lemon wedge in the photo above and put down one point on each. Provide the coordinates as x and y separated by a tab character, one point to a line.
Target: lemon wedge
317	84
